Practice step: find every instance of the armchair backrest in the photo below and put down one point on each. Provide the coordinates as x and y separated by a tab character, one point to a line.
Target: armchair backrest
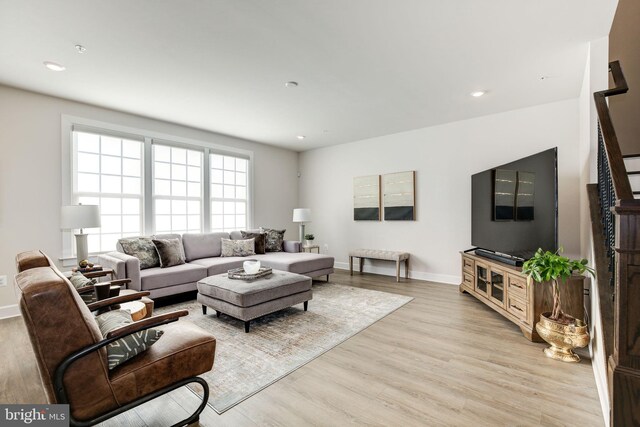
59	324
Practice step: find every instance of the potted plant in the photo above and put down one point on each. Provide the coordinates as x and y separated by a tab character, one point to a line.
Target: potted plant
561	330
309	239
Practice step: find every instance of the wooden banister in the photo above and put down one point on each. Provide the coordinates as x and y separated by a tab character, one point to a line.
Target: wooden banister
620	215
621	184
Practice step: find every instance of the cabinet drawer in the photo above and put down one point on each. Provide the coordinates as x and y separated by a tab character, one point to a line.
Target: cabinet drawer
517	307
518	287
468	265
467	280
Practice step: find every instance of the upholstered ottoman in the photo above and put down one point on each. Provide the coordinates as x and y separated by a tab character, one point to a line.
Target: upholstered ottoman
248	300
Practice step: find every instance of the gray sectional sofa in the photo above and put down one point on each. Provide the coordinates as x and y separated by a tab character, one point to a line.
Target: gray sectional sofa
202	253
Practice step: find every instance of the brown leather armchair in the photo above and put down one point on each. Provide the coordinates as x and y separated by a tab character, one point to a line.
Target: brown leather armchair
72	357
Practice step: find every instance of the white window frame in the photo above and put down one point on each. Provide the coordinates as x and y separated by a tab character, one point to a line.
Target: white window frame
67	125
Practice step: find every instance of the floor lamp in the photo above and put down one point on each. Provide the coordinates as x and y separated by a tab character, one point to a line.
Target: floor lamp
80	216
302	215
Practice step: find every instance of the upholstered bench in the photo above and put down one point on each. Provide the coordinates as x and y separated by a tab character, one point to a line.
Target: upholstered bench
396	256
248	300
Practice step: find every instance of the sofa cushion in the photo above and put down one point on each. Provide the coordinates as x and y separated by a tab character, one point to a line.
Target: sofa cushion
202	245
274	239
170	236
237	235
155	278
299	262
170	252
260	240
217	265
141	248
233	248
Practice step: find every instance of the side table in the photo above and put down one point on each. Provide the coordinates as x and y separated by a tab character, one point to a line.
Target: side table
310	248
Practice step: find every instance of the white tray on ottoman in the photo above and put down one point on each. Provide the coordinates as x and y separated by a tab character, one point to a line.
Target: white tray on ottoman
247	300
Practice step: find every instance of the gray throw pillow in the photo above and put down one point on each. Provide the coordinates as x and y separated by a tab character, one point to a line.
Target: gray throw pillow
79	281
259	238
170	252
237	247
127	347
274	239
143	249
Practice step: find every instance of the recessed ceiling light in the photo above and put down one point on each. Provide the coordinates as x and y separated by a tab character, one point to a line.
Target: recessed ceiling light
53	66
291	84
478	93
80	48
301	137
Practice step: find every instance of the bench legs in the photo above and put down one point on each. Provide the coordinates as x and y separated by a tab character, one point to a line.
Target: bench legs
406	268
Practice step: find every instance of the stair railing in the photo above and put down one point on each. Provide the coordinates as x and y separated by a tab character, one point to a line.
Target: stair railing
622	230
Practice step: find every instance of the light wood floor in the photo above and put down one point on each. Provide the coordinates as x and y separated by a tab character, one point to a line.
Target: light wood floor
442	359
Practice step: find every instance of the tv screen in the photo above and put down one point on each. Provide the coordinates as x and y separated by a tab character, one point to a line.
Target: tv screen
514	207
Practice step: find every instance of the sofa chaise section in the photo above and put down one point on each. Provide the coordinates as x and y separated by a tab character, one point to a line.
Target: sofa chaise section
202	255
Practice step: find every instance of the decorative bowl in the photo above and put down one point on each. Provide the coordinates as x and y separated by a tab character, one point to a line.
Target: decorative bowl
251	267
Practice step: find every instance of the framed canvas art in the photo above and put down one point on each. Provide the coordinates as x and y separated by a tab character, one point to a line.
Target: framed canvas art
399	196
366	198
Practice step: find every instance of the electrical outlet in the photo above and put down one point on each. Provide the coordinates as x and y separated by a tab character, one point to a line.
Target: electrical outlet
326	248
3	280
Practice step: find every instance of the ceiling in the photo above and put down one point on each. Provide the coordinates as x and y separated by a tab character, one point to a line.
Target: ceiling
365	68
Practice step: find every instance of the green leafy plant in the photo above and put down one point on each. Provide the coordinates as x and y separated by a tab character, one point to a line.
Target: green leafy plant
309	236
549	266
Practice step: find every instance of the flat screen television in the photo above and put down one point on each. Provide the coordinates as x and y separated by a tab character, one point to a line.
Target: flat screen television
514	207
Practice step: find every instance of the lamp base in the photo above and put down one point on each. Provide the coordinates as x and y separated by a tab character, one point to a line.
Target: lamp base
82	247
301	232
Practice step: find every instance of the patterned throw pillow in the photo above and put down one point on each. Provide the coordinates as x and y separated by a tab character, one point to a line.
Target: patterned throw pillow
260	240
170	252
143	249
79	281
127	347
274	239
238	247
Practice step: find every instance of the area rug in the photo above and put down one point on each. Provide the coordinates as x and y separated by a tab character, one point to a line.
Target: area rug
282	342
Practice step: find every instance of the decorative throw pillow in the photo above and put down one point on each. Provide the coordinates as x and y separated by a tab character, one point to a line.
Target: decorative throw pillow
79	281
259	238
143	249
125	348
238	247
169	251
274	239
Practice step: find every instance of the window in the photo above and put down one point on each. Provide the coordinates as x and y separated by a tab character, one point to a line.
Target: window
146	183
228	192
177	189
108	173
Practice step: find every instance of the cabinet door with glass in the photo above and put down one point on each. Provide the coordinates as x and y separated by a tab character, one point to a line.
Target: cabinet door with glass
497	286
482	279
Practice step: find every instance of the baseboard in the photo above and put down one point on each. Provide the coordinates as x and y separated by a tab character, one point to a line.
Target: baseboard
7	311
419	275
600	375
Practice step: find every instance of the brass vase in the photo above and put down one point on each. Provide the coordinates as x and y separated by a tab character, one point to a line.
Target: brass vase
563	338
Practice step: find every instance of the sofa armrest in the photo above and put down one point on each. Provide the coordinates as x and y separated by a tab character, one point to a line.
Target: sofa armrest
125	267
292	246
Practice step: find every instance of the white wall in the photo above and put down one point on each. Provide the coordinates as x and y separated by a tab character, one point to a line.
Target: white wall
595	79
30	174
444	157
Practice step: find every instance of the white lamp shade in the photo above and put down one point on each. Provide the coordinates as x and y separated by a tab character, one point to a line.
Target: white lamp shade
302	215
79	216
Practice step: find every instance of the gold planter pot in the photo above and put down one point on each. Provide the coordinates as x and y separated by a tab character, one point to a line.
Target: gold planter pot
563	338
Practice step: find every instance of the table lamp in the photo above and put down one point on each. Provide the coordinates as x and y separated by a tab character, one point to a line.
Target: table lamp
302	215
80	216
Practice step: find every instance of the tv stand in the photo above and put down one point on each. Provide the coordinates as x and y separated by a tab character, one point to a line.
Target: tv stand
504	289
504	258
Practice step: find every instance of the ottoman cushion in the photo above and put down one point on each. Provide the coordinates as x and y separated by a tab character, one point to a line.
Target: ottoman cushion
248	293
